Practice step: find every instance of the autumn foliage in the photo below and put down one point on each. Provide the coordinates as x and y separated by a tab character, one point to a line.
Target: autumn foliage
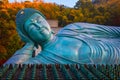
107	13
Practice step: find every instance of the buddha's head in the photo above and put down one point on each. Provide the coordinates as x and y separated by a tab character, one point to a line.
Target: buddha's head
31	24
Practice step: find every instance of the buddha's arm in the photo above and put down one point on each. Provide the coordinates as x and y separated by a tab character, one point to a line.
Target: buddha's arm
21	55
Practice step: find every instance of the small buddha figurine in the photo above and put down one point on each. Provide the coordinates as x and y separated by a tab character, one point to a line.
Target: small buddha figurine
79	43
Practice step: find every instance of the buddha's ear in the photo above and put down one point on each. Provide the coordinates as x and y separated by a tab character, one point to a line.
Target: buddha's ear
52	32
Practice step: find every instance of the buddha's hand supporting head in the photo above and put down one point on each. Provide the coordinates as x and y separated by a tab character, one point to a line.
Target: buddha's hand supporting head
32	25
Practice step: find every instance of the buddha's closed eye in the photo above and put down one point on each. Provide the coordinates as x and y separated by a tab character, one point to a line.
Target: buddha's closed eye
39	19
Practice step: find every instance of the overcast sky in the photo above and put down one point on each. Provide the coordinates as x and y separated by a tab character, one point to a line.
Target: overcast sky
69	3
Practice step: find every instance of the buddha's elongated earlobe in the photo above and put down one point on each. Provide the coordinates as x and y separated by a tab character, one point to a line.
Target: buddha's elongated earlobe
52	32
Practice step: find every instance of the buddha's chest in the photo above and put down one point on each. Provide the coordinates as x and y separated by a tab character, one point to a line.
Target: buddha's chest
66	47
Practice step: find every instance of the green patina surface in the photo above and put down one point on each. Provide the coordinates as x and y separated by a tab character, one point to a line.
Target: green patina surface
81	43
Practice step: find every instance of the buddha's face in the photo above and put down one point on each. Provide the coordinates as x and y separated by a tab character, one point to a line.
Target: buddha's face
37	28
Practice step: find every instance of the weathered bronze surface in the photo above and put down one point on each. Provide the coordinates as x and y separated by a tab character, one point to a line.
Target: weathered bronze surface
81	43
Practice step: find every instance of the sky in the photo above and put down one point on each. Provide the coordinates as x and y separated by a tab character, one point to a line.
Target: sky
69	3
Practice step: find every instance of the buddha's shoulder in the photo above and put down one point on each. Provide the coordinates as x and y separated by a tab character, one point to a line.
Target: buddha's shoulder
73	28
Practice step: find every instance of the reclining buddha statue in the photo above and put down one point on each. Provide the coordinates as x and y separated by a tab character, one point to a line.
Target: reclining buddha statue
79	43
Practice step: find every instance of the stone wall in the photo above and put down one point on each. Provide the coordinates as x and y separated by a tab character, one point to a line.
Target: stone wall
53	23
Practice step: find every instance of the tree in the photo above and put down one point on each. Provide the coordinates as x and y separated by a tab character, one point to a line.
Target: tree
83	4
99	19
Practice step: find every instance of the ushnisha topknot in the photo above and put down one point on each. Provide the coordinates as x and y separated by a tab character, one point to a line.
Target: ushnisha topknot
23	15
